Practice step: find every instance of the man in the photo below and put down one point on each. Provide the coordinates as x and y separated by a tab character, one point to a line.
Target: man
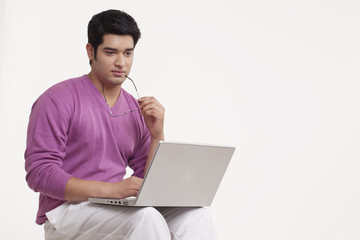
85	131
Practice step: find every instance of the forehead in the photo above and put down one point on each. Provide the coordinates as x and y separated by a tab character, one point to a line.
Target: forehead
117	41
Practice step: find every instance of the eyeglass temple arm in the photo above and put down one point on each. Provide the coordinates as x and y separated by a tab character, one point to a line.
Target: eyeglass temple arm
134	85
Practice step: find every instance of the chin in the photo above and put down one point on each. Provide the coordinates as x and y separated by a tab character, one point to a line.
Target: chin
116	81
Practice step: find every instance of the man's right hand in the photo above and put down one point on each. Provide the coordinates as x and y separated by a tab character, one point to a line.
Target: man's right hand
80	190
125	188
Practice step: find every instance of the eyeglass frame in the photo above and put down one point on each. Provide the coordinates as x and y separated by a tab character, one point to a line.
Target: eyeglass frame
129	111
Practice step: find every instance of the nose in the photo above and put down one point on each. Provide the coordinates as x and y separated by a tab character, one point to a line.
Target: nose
120	61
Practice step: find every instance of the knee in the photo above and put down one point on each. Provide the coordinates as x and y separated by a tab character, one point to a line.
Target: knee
204	224
150	214
194	223
201	216
150	225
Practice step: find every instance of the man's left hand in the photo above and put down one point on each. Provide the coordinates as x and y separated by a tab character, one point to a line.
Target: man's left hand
153	113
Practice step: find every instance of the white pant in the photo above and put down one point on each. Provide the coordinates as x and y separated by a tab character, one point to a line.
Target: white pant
89	221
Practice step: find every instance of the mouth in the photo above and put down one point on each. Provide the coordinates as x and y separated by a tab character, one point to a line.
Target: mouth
118	73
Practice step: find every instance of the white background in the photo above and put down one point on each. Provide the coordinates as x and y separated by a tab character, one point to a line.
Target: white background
277	79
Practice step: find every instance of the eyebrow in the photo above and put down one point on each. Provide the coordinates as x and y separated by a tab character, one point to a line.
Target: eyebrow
115	49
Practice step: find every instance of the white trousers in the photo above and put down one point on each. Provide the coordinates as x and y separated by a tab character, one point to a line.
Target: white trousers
91	221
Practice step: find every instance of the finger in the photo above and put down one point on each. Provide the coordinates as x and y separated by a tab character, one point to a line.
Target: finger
147	100
147	103
153	112
132	193
136	181
151	105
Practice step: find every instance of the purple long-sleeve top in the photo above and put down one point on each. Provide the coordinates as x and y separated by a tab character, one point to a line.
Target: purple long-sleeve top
71	133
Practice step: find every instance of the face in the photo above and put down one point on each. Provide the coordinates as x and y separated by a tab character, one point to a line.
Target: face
113	61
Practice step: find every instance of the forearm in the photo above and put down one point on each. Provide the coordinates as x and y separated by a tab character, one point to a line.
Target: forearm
153	113
153	145
80	190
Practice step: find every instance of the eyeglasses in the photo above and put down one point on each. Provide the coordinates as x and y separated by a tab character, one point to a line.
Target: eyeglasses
128	111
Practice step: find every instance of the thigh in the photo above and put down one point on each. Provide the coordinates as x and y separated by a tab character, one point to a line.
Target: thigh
94	221
189	223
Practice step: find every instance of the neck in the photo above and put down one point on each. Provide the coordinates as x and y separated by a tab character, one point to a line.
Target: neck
110	93
110	96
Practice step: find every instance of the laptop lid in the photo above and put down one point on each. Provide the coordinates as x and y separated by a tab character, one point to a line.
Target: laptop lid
183	174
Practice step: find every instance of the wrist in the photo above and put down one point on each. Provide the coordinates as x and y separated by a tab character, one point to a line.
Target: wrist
158	137
104	189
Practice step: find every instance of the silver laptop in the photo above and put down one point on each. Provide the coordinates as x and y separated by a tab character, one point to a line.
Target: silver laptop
180	175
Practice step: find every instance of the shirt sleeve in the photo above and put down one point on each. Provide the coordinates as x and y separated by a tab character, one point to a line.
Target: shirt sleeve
46	147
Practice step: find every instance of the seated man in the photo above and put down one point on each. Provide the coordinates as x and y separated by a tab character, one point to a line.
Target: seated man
85	131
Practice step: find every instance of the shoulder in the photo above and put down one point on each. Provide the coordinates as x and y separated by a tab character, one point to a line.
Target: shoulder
61	96
66	88
66	91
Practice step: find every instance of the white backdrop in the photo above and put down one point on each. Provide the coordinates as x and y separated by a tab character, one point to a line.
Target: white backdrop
277	79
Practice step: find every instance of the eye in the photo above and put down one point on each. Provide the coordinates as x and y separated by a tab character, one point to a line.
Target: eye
128	53
110	52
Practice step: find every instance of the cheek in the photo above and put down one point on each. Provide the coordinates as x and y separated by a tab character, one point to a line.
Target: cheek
129	63
101	69
104	65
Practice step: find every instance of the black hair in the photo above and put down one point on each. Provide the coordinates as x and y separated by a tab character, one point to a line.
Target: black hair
111	22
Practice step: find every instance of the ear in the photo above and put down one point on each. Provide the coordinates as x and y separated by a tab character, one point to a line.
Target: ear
90	52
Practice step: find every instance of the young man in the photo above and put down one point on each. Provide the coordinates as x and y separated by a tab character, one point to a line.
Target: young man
85	131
